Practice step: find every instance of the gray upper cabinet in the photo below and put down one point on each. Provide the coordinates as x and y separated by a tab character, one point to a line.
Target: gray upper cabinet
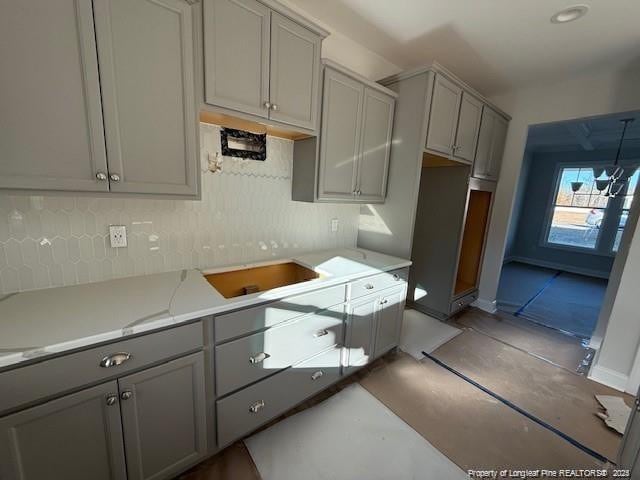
375	145
145	52
237	42
163	413
464	147
75	437
491	140
443	119
340	136
295	73
51	131
261	62
350	161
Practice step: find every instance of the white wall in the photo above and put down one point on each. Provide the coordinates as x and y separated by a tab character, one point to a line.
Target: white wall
581	96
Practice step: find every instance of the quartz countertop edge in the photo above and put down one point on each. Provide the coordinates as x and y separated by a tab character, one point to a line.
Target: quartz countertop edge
41	323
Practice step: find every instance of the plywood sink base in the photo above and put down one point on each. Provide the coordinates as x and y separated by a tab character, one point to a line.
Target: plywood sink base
235	283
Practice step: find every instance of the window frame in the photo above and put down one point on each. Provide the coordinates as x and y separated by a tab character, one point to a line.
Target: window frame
551	204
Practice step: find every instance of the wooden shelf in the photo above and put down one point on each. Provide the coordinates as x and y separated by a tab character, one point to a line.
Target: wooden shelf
236	123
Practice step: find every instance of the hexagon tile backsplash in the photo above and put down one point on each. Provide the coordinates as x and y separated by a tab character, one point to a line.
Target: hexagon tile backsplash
246	213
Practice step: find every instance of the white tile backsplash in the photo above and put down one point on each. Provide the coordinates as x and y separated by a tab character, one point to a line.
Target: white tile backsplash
246	213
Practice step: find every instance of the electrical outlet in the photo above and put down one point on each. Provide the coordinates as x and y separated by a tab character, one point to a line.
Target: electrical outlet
118	236
335	223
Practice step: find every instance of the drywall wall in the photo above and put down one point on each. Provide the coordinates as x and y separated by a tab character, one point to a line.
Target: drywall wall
246	213
581	96
530	214
341	49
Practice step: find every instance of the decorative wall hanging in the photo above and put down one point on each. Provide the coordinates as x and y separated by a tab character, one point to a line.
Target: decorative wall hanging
247	145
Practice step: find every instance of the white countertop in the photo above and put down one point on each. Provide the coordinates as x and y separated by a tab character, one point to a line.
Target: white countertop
45	322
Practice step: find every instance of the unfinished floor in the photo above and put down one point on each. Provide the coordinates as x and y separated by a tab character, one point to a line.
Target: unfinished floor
467	425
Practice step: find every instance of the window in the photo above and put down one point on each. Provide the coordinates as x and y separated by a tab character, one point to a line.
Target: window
577	216
626	205
586	219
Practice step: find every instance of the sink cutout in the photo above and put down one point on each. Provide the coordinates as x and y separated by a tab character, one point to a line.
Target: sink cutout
235	283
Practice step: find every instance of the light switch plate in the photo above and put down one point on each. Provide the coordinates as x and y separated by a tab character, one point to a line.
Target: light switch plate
335	223
118	236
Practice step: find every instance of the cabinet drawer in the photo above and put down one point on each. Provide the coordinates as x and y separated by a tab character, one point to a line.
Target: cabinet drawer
251	320
379	282
462	302
251	358
58	375
248	409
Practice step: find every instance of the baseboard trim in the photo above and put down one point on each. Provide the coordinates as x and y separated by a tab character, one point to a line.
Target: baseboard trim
609	377
488	306
560	266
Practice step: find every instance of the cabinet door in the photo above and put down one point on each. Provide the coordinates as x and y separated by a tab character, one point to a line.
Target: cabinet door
340	139
146	72
373	166
163	417
236	55
295	73
72	438
51	132
360	337
389	321
468	126
493	132
443	118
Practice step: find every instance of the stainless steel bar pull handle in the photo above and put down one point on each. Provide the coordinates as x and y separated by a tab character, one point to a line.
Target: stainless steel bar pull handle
115	359
369	286
260	357
321	333
256	407
317	375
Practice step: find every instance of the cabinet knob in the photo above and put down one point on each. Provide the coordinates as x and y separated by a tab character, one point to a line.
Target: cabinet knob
321	333
274	107
258	358
101	176
369	286
126	395
384	302
396	277
256	407
358	192
115	359
266	105
114	177
317	375
112	398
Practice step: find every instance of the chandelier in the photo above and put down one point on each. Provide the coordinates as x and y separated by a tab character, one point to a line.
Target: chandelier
616	176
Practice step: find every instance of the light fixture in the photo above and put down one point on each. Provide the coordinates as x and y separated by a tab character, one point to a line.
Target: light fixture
617	175
570	14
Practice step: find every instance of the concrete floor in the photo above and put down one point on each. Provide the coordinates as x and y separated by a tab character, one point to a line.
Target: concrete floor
469	426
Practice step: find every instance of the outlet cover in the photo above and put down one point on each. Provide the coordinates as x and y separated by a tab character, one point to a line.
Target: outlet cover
118	236
335	223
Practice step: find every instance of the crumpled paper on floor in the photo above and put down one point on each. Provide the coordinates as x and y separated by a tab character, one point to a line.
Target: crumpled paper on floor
616	412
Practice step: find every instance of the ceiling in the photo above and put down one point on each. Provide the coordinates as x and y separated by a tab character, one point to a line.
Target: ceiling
600	133
494	45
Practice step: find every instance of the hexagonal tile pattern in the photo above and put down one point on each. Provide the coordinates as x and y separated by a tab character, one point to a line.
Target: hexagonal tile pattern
246	214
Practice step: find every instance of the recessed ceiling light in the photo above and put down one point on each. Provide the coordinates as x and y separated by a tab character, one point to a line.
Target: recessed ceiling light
570	14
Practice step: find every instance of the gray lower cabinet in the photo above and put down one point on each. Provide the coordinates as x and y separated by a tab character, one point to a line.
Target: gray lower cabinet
261	62
75	437
154	418
164	418
491	141
350	161
51	130
373	326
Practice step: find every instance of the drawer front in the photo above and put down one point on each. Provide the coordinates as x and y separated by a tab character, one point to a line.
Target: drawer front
253	406
251	358
462	302
379	282
58	375
251	320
